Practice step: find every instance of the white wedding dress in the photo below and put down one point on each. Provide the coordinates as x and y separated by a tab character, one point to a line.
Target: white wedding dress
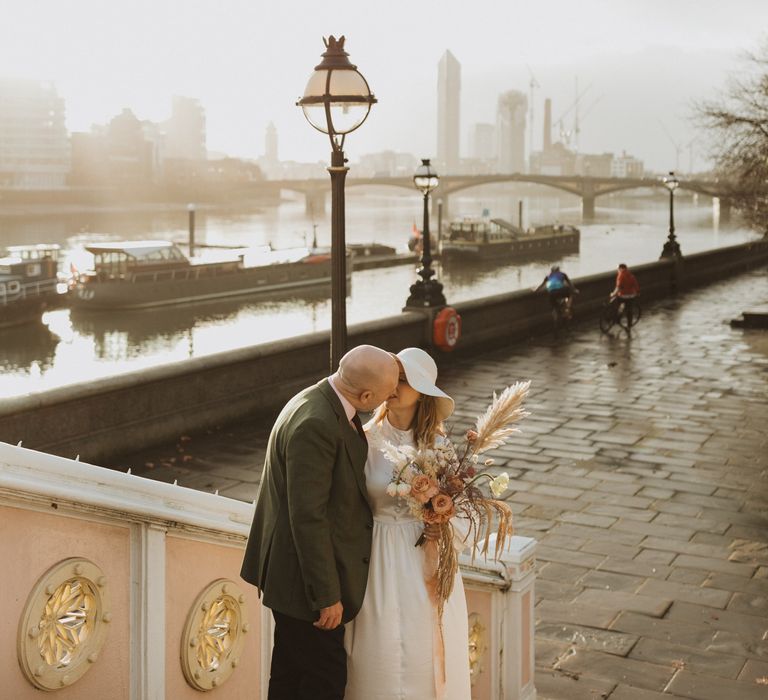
390	645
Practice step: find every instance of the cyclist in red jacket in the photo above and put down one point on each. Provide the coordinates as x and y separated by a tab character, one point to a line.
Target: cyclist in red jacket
627	288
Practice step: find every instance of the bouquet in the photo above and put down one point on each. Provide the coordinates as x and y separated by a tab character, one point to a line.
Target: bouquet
442	481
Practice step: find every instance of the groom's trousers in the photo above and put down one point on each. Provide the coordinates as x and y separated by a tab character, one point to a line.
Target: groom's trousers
307	663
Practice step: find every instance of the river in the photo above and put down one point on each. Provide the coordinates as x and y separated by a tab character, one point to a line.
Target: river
79	347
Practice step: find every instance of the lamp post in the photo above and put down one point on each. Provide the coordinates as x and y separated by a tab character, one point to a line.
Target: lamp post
337	101
671	246
426	292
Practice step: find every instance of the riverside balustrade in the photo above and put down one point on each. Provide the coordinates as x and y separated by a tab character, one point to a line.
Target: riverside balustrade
123	588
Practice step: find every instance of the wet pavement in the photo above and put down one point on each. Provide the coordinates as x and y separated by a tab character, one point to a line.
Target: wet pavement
643	474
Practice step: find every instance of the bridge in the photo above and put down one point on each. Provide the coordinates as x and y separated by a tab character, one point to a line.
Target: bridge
588	188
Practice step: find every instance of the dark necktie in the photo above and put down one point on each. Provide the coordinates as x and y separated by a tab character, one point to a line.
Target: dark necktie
359	426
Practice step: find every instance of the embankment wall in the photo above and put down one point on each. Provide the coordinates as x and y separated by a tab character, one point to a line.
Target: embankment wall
102	419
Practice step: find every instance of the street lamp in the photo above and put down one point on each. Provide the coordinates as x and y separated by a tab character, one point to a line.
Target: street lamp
426	292
337	101
671	246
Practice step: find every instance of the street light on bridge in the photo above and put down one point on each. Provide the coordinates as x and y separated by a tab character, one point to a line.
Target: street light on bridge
426	292
337	101
671	246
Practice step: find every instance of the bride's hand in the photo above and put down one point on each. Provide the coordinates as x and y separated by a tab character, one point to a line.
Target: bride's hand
432	532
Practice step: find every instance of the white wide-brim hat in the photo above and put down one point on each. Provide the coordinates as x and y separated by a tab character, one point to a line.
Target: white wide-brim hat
421	372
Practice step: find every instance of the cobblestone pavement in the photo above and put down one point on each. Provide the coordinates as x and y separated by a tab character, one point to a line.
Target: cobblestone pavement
643	474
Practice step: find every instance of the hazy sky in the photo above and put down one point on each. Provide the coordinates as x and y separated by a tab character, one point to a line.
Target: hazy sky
248	62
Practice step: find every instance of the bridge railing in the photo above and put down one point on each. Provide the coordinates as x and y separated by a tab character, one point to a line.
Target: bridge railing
124	588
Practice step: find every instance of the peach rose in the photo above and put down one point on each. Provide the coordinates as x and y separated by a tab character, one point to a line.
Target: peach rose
443	507
431	518
423	488
471	436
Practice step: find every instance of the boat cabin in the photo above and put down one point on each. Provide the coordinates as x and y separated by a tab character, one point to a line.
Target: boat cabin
478	231
40	251
122	260
22	278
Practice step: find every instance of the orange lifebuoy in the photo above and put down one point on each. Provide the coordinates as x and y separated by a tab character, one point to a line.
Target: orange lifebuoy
446	329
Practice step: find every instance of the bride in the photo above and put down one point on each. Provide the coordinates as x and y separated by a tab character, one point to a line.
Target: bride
396	649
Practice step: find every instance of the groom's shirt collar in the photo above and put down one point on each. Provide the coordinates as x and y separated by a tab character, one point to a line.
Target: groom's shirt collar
349	409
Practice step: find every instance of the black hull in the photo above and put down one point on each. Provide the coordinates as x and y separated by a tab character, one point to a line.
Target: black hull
190	286
515	249
23	311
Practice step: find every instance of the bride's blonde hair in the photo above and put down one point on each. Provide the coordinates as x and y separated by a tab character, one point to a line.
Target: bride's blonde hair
426	425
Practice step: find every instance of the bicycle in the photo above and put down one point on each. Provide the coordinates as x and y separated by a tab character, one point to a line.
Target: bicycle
626	315
562	313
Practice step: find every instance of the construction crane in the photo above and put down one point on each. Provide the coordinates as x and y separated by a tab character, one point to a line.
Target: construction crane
565	135
678	148
532	85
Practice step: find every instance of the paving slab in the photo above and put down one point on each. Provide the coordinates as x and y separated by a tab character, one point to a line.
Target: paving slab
699	686
679	656
643	470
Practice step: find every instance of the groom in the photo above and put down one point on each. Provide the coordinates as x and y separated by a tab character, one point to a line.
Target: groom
310	540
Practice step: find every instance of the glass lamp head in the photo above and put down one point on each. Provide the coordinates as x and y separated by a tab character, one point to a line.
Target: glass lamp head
337	98
425	178
671	182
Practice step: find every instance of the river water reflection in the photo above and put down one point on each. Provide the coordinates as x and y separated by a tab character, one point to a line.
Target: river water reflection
72	347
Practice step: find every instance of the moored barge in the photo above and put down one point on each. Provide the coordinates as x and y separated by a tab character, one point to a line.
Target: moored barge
497	239
145	274
28	283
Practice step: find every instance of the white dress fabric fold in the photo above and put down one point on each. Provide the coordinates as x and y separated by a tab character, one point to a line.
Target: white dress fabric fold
391	652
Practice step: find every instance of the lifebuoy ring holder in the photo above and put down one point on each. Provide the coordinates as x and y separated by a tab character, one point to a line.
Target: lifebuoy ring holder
446	329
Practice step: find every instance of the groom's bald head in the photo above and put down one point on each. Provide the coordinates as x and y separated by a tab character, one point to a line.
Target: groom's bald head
367	376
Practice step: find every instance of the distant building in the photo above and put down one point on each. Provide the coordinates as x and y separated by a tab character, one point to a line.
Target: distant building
185	130
115	154
510	131
594	164
34	146
386	164
269	162
627	166
448	112
556	160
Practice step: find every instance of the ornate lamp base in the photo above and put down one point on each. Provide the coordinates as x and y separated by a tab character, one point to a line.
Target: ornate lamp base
425	295
671	249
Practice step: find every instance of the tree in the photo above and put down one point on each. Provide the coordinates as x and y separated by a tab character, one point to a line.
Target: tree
738	122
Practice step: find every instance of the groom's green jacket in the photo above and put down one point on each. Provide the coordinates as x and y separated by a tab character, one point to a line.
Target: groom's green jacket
310	540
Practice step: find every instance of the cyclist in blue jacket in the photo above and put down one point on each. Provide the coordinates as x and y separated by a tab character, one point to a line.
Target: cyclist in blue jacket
559	286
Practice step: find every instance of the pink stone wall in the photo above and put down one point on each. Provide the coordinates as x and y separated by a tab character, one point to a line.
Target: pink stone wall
191	566
479	602
32	543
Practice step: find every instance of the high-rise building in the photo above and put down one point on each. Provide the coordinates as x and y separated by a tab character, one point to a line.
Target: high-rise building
448	112
510	131
185	130
482	142
34	145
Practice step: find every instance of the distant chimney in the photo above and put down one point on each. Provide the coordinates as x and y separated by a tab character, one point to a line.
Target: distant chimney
547	124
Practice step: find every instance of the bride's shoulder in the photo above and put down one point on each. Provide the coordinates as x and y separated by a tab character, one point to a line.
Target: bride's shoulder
373	432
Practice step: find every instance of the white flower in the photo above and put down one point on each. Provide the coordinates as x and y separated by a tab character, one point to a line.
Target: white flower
500	484
391	489
399	456
403	489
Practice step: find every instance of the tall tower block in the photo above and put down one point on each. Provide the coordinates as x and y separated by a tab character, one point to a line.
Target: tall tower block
448	112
